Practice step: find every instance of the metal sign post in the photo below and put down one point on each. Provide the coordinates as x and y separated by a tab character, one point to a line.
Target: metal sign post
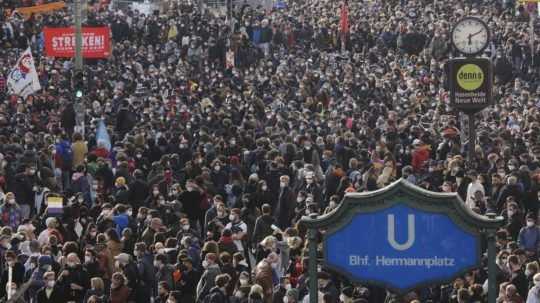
312	267
401	237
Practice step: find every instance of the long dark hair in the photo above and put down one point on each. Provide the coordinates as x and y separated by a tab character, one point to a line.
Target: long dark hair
112	235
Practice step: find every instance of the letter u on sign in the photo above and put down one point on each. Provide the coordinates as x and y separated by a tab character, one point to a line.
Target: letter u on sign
392	233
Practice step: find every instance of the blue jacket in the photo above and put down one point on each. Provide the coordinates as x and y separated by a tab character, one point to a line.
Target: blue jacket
529	238
121	221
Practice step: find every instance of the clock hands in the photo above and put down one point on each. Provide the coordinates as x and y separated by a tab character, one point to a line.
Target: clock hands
472	35
478	32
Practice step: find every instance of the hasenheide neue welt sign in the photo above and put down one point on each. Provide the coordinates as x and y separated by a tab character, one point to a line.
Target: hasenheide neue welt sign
470	82
60	42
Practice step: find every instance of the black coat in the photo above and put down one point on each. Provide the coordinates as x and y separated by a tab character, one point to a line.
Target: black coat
57	296
78	276
125	120
188	285
22	188
68	117
138	192
262	229
191	202
285	208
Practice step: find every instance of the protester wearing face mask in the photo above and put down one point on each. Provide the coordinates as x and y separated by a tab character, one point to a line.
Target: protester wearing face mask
534	292
146	272
17	270
529	237
208	278
119	291
515	219
285	205
91	264
11	213
51	292
192	200
291	90
238	229
518	278
73	278
164	271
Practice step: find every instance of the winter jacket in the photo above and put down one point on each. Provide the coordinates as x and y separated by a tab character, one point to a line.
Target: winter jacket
529	238
263	228
263	277
285	208
207	281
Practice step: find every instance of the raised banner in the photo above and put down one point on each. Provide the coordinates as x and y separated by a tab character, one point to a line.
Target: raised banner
23	78
39	9
60	42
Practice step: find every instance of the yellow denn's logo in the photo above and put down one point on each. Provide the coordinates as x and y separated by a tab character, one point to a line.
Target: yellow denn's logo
470	77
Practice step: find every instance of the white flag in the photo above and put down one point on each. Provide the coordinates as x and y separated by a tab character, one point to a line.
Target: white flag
23	78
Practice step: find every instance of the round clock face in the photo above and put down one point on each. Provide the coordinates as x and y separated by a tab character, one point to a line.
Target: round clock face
470	36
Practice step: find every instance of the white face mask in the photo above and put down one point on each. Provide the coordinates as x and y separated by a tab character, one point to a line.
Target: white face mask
264	187
530	223
232	218
50	284
185	227
205	264
283	184
87	259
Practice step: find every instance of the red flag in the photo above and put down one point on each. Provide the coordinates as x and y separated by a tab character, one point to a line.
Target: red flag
344	19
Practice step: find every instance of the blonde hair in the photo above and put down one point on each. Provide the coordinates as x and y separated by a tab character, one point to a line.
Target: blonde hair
269	240
256	289
533	266
97	283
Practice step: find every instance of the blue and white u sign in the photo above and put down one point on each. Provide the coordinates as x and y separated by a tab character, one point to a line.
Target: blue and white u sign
392	233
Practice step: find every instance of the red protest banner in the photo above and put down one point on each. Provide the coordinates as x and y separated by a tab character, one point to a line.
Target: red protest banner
60	42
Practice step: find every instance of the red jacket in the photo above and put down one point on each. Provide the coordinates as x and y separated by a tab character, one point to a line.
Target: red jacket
419	157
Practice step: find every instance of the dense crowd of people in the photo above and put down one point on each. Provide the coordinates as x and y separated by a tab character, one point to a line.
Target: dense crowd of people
213	159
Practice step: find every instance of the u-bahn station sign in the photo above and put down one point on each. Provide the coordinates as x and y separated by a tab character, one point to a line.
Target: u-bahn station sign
402	237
